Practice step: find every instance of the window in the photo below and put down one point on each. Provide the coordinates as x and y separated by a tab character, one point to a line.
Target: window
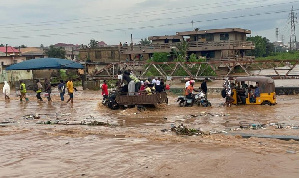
224	36
209	37
112	55
98	55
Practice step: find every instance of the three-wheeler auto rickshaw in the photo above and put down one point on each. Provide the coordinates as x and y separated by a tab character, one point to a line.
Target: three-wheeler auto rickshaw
266	90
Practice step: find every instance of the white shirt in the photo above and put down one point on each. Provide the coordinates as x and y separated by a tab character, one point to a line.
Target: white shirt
120	77
153	81
187	84
157	82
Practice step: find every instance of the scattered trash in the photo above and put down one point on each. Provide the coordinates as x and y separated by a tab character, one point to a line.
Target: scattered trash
290	151
183	130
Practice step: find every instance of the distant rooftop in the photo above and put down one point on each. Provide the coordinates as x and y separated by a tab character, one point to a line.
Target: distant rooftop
224	30
9	49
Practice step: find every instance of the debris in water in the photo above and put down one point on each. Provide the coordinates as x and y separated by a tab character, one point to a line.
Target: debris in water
183	130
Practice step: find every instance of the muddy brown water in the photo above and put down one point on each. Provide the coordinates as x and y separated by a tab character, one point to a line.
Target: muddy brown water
135	146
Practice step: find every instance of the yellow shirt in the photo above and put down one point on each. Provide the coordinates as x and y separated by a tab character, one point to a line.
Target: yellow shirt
70	87
148	90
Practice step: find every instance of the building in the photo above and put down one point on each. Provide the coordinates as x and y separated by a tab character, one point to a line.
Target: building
228	43
32	52
72	51
214	44
10	51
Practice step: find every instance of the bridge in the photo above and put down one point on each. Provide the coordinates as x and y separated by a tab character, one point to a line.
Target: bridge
218	69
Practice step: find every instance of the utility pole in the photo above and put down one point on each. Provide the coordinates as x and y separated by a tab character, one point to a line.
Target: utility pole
276	34
192	24
276	39
293	21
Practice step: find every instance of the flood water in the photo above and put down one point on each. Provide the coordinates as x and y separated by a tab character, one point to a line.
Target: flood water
141	144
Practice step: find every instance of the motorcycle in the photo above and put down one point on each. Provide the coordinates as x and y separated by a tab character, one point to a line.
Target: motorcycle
201	100
184	101
110	101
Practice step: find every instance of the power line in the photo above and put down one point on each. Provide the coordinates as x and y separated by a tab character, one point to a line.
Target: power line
150	26
157	19
120	16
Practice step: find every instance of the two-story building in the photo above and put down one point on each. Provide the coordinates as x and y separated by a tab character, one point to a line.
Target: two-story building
216	44
228	43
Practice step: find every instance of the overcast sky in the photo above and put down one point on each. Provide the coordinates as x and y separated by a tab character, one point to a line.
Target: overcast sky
36	22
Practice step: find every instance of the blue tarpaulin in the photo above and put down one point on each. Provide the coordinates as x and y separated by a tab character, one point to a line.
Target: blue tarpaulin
45	63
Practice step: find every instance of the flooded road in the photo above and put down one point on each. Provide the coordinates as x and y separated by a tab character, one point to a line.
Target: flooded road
141	144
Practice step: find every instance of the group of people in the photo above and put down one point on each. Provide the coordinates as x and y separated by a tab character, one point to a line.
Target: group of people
242	92
38	88
129	84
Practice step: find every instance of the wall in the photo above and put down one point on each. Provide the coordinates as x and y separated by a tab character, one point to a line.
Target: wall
102	54
15	75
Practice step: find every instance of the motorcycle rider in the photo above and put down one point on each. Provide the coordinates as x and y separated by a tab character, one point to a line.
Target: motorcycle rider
189	91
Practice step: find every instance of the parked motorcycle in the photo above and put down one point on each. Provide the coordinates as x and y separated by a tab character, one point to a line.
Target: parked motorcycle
201	100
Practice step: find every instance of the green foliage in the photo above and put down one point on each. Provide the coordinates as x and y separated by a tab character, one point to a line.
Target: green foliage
205	69
63	74
93	44
182	48
263	47
160	57
56	52
293	55
1	45
145	42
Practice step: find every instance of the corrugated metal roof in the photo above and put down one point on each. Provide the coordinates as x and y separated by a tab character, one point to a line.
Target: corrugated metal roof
9	49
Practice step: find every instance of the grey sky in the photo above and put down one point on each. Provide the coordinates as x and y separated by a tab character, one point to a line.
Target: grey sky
35	22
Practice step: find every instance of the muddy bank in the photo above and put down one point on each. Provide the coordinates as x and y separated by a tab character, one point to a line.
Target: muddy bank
141	144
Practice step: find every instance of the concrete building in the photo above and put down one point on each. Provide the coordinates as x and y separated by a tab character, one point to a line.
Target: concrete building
214	44
72	51
32	52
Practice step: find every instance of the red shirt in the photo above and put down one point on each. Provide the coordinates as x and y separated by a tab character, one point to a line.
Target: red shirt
104	89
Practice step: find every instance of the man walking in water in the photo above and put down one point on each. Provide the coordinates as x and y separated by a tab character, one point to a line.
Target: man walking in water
39	90
23	90
47	85
70	90
61	89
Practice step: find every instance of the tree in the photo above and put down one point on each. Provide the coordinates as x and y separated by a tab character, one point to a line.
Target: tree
93	44
56	52
145	42
1	45
182	48
263	47
23	46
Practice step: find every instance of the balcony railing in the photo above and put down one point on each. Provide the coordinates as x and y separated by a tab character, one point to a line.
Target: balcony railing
193	46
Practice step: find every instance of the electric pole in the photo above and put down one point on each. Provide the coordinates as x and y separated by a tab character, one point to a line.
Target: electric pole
293	21
192	24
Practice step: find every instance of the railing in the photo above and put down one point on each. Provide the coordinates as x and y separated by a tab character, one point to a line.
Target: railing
194	44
